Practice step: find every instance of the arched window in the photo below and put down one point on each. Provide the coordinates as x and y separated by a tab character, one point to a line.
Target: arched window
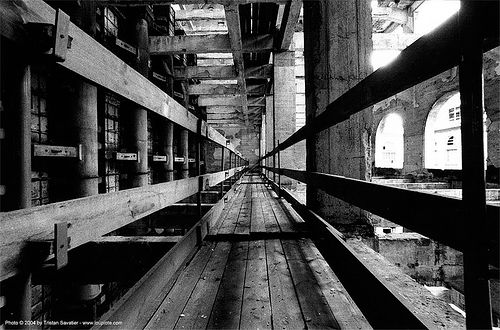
389	142
443	141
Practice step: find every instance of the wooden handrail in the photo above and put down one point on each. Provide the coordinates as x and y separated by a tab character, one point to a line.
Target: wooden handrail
438	217
91	217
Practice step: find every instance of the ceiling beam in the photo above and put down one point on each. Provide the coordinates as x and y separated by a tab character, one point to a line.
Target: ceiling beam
211	89
205	72
289	21
209	100
209	43
183	2
218	89
230	100
234	32
259	72
200	14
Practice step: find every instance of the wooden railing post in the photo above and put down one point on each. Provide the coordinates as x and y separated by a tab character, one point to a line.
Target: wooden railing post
184	153
477	292
198	169
222	169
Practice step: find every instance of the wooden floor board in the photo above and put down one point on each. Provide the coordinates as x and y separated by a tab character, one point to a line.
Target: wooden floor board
313	304
256	309
284	302
270	221
226	311
244	217
199	306
230	222
173	304
343	307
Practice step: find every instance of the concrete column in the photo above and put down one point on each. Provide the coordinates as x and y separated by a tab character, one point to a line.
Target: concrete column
166	148
139	116
84	120
184	152
336	59
18	180
284	106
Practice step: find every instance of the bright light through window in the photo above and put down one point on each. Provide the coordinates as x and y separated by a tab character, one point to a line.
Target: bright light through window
431	14
383	57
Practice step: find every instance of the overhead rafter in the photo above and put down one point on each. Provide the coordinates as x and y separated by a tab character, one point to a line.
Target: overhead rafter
200	14
289	21
234	31
210	43
183	2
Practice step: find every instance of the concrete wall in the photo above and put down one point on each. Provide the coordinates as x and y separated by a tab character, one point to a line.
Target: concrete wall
426	261
415	103
245	139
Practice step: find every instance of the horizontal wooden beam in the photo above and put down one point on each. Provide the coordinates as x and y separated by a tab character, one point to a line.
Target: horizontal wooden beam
139	304
212	89
260	72
214	61
205	72
137	239
210	43
437	217
219	100
200	14
108	71
184	2
91	217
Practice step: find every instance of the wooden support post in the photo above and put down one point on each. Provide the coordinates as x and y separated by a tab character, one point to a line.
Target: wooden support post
222	169
169	151
139	115
477	293
184	150
279	174
198	168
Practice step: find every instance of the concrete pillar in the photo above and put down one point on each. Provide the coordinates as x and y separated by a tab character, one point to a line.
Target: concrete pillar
167	149
18	180
84	121
336	59
139	116
284	106
184	152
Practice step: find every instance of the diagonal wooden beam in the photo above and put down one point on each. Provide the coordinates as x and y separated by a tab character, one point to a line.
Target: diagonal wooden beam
234	31
289	21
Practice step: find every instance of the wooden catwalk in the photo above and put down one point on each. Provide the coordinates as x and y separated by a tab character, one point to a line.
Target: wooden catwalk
257	269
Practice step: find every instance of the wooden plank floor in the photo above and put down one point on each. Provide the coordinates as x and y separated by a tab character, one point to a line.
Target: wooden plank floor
254	281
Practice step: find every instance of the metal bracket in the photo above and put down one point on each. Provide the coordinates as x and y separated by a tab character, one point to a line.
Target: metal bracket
126	156
61	244
41	150
52	40
158	158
